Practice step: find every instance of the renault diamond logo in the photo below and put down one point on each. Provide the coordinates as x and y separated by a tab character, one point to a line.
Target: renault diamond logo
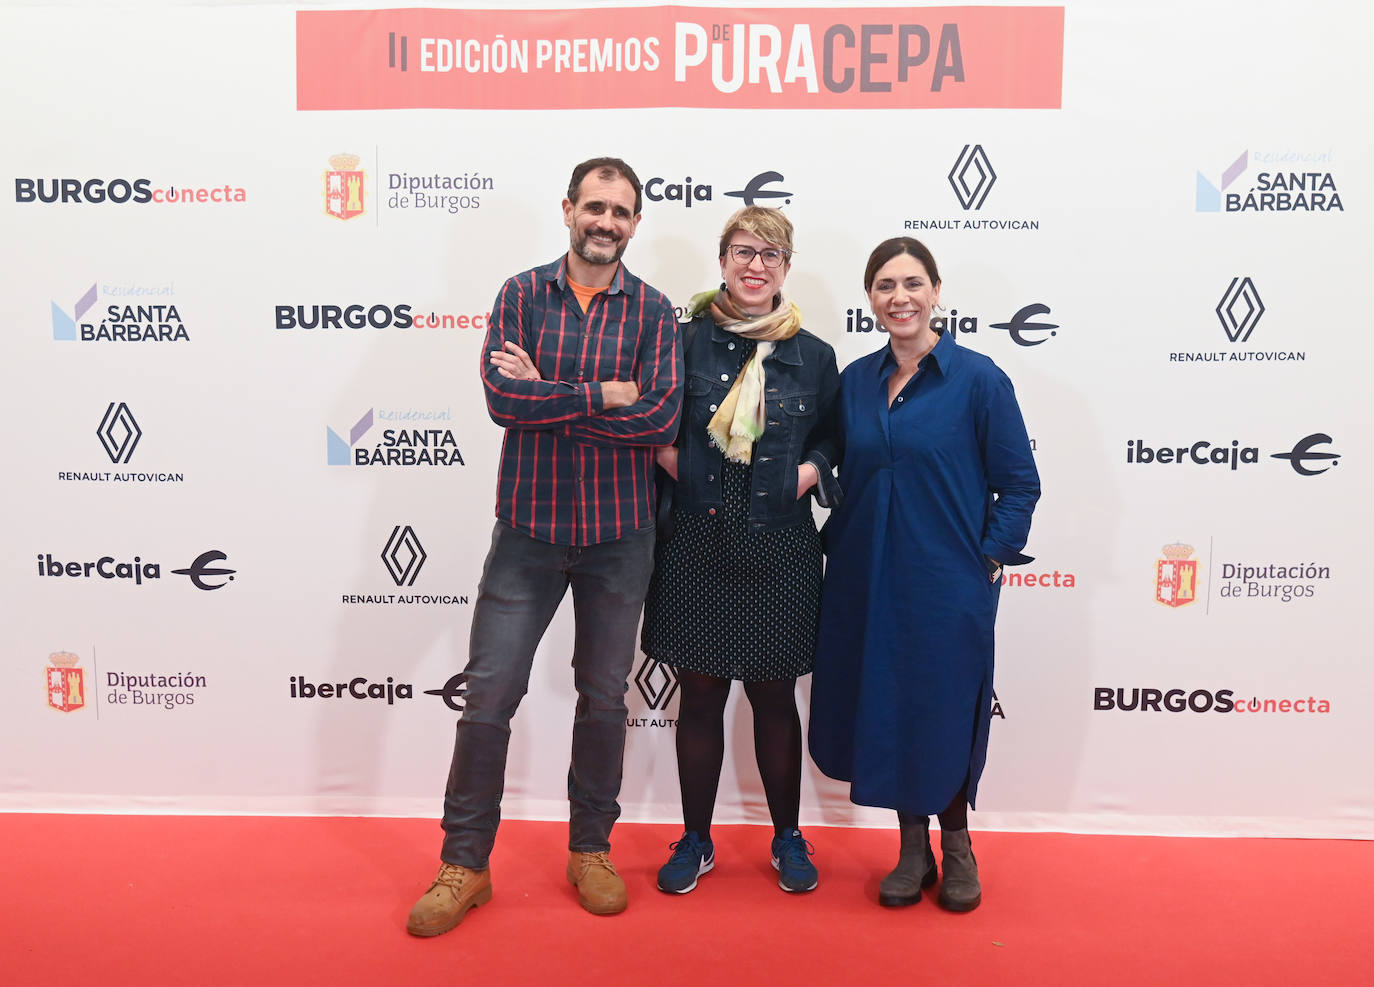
119	432
657	683
972	176
404	556
1239	310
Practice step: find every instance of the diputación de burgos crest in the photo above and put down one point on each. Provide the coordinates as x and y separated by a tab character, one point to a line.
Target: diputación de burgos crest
345	187
1176	576
66	682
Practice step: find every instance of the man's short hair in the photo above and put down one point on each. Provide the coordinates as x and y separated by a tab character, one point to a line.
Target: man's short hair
606	169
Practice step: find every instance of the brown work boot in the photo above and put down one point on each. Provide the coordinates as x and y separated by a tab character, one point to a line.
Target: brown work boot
599	888
448	899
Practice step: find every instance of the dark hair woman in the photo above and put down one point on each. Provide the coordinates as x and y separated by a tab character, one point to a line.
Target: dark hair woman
940	484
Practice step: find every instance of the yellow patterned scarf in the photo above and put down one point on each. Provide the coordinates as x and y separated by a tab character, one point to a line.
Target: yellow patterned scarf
738	422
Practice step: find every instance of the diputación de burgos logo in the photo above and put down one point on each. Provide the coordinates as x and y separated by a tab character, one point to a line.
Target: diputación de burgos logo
416	437
66	682
123	191
972	179
377	316
1176	576
1307	457
1151	700
120	313
403	557
1281	582
1271	181
419	187
68	689
152	690
345	187
1249	577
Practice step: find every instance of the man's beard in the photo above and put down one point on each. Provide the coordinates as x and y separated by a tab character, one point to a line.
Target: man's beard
593	253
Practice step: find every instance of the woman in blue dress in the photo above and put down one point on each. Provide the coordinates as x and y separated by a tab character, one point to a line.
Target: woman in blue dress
939	486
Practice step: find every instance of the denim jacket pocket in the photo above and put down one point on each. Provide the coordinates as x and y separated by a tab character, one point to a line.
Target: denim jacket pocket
698	386
799	413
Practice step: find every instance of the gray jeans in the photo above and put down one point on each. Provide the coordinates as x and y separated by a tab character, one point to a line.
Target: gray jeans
523	581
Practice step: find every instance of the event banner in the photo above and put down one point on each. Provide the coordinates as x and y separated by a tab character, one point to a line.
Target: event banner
252	470
765	58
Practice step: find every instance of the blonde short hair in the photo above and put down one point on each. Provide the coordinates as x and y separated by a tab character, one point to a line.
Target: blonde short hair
769	225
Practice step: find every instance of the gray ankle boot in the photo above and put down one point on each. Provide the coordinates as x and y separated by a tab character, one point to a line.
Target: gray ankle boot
915	865
960	891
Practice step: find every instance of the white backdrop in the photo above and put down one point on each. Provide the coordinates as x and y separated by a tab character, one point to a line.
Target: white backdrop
1086	247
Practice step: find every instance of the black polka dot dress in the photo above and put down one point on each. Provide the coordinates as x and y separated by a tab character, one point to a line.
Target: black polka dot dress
730	601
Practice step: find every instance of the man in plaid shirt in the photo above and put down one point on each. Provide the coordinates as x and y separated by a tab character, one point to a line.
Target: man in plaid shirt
583	368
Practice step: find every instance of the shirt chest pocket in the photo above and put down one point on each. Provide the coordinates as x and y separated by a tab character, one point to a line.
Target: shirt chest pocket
612	356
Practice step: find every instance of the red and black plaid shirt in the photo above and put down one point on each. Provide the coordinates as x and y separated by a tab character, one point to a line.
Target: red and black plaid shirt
571	473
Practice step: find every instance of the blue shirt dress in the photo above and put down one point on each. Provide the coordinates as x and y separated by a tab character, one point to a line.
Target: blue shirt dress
902	692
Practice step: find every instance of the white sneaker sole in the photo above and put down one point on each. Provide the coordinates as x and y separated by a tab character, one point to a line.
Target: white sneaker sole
705	866
778	867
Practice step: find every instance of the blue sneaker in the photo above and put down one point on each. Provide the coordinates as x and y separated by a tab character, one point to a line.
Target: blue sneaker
792	861
692	857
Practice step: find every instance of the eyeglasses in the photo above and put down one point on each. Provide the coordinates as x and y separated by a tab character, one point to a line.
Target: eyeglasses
744	255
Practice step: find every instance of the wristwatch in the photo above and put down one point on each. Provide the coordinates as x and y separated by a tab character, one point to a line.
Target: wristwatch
994	568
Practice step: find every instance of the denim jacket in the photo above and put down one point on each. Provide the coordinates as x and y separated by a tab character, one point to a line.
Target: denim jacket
802	422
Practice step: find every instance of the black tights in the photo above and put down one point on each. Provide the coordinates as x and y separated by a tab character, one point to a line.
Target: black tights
701	747
955	815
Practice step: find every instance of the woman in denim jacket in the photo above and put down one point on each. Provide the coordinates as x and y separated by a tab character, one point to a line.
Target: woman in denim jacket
736	588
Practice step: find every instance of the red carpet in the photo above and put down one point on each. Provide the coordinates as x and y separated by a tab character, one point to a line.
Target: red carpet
266	901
